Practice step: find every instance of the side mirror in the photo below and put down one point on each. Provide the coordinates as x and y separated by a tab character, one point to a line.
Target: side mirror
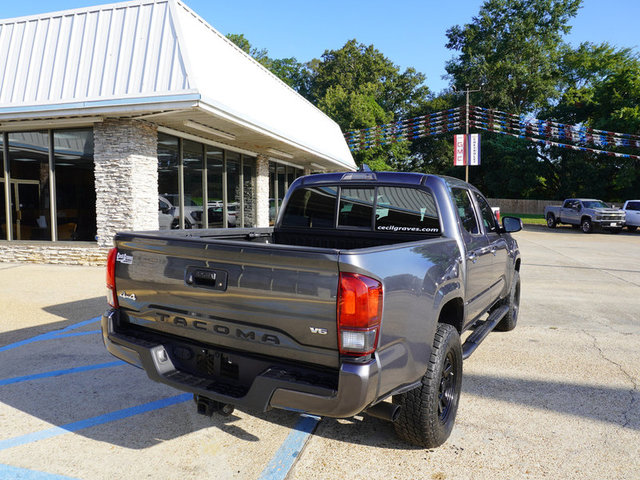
511	224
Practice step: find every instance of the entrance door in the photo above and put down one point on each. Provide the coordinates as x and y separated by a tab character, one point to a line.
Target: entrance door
27	222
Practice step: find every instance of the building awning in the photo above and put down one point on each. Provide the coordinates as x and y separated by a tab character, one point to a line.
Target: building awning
156	60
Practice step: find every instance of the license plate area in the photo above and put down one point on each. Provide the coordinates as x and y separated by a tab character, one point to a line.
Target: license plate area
214	364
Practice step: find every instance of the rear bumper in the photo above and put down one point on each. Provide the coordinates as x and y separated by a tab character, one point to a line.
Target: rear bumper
277	386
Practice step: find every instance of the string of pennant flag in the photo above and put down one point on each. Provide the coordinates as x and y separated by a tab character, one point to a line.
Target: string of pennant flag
542	132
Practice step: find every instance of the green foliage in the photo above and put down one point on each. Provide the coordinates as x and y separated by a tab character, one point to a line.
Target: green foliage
601	88
512	48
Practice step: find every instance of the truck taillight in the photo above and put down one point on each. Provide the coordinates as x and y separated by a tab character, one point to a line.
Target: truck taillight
359	313
112	296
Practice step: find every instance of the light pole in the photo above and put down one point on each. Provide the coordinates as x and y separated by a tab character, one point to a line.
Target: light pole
466	126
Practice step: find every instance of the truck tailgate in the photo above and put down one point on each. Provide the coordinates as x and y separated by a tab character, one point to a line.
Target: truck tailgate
265	299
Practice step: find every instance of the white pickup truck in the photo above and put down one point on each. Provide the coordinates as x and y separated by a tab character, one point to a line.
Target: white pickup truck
632	214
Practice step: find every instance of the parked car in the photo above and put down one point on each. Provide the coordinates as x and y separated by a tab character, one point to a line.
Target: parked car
168	205
587	214
360	293
215	212
632	214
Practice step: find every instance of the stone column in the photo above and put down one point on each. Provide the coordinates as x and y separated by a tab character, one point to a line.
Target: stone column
307	170
126	174
262	191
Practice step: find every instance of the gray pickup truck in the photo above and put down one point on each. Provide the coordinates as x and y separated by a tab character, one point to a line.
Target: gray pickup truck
360	293
587	214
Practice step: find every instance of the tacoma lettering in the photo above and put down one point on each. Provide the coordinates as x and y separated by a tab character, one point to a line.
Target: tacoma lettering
248	335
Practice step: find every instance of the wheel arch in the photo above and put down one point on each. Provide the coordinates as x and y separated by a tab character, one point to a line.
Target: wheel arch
452	313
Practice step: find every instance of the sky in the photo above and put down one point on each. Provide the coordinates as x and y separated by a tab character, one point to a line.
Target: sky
411	33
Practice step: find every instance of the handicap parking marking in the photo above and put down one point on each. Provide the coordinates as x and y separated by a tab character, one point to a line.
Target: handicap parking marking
93	422
7	472
281	463
59	373
55	334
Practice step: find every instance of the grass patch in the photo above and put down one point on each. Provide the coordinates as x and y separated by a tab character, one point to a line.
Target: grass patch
527	218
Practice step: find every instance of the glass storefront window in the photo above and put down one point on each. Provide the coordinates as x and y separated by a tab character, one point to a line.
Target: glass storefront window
193	195
30	183
75	185
168	192
233	189
215	164
3	204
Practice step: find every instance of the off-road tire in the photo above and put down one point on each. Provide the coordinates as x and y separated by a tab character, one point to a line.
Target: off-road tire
632	228
428	412
551	221
510	319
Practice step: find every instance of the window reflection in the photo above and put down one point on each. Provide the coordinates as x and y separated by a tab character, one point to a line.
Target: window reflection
3	204
168	198
30	183
192	161
75	185
215	163
233	189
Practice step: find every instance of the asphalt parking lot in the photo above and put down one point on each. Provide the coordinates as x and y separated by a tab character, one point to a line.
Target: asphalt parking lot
556	398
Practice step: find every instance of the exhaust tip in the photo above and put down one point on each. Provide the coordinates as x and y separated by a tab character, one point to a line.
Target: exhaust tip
384	411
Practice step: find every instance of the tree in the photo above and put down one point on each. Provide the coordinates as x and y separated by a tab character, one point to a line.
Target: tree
512	48
289	70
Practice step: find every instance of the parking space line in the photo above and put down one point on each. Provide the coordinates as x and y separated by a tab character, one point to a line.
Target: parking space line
94	421
59	373
7	472
50	335
279	466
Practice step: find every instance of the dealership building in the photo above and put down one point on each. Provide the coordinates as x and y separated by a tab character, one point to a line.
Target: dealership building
141	116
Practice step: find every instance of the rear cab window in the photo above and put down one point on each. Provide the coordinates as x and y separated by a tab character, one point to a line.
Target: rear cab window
384	209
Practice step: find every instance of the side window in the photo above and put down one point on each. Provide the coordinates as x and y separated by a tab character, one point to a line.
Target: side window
488	219
406	210
633	206
356	207
465	210
311	207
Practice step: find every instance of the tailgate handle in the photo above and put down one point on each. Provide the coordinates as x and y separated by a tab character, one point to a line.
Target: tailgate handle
206	278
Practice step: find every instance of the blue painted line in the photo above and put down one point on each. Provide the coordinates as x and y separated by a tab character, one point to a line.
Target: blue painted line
94	421
7	472
49	335
288	452
59	373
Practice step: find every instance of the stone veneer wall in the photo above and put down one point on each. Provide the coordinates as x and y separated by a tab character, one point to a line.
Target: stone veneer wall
262	191
126	176
57	252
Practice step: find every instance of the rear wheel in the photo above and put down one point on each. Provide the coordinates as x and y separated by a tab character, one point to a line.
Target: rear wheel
551	221
428	412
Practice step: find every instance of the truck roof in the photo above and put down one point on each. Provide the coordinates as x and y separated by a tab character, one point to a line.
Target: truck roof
408	178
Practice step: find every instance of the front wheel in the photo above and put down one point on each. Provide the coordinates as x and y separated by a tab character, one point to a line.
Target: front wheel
632	228
551	221
510	319
586	225
428	412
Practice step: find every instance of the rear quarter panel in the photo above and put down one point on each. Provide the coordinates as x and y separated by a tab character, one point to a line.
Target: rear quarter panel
418	278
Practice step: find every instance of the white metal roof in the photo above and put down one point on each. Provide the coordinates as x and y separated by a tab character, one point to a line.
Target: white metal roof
159	60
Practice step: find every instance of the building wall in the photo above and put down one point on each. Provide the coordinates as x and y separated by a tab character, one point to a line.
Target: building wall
126	177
